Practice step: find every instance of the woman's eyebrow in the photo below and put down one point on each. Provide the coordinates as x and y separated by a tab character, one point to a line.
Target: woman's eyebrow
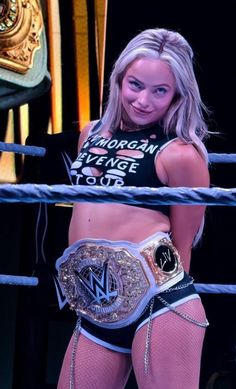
135	78
153	86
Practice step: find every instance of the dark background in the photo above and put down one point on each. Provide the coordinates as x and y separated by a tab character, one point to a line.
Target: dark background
34	332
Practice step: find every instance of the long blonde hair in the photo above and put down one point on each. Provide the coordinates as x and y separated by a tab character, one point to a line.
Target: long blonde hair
184	117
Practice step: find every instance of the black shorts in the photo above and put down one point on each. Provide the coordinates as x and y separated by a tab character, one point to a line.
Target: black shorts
121	339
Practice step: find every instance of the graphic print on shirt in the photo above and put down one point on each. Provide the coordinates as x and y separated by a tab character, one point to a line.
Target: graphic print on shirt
116	161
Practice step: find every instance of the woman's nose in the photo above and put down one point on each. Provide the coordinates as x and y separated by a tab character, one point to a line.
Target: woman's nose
143	98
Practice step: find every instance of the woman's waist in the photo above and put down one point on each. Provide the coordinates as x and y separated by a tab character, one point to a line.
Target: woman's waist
122	223
130	233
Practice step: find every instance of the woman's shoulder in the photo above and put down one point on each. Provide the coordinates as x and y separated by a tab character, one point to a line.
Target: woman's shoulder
89	127
180	151
183	163
86	132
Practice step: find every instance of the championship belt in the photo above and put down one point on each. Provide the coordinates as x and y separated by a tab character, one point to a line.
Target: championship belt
23	52
21	25
110	283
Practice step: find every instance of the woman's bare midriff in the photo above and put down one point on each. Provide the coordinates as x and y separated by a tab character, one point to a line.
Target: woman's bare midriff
115	222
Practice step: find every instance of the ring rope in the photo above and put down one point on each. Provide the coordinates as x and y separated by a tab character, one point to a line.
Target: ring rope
216	288
35	193
34	281
222	158
18	280
35	151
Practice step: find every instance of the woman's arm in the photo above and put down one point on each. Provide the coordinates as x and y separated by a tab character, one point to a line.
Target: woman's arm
184	166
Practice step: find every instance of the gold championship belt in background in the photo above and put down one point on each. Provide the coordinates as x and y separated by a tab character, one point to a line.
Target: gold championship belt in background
110	283
23	52
21	25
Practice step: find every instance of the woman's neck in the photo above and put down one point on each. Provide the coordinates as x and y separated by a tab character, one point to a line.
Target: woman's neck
128	126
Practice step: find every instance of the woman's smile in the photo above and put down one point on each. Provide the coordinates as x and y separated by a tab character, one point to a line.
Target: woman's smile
140	111
147	90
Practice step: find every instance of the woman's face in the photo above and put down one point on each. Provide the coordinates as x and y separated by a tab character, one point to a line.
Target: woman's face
147	90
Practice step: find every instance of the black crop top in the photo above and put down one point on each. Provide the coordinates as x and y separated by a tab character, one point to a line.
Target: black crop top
126	159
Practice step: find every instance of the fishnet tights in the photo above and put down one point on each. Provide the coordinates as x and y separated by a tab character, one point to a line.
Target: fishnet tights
175	351
96	367
174	363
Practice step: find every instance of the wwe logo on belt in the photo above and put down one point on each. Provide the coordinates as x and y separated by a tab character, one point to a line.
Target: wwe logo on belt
97	287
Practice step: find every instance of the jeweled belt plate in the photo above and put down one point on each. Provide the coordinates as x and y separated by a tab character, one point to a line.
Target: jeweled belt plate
110	283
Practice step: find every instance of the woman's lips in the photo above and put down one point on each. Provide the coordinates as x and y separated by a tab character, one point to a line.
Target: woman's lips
140	111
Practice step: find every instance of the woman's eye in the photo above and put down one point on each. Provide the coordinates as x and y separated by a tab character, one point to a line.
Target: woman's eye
161	91
135	84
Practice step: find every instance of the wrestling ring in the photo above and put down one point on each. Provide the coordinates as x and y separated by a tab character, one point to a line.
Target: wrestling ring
49	194
36	193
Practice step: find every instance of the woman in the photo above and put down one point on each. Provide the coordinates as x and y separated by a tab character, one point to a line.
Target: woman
123	272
